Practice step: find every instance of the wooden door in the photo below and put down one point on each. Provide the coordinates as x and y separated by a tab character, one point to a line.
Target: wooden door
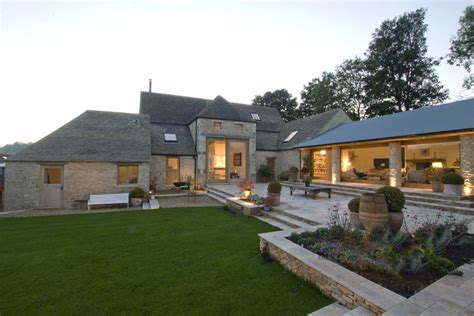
271	165
52	189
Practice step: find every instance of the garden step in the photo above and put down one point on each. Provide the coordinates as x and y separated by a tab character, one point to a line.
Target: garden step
154	204
359	311
294	223
299	218
442	207
146	206
335	309
219	191
273	222
217	197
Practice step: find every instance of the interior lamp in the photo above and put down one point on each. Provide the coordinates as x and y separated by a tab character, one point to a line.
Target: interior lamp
322	152
437	164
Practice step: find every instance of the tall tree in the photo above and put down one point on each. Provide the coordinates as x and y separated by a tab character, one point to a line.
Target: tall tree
351	78
401	77
319	95
281	100
461	52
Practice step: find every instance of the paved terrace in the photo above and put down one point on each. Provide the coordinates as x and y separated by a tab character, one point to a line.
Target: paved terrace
317	210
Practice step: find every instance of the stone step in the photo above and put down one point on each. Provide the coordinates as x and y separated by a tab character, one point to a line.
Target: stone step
217	197
145	206
281	210
293	223
219	191
359	311
154	204
273	222
335	309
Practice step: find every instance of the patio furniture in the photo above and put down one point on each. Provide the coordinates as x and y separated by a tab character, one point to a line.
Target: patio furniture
313	189
107	199
360	175
181	186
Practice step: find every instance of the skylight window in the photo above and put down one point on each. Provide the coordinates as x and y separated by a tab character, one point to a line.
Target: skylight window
170	138
292	134
255	116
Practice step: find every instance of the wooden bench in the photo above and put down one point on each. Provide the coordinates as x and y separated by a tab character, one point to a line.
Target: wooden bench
313	189
107	199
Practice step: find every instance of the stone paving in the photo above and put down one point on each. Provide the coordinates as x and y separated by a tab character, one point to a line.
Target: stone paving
318	209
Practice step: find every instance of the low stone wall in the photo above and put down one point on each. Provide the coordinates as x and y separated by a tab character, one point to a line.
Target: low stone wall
332	279
185	200
242	207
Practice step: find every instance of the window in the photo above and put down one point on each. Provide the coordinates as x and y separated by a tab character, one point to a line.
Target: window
292	134
127	174
239	127
217	126
170	138
172	170
255	116
52	175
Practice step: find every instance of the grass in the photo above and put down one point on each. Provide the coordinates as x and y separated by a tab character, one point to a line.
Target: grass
192	261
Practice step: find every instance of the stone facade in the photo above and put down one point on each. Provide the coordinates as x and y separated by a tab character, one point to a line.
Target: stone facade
81	179
335	164
466	149
158	169
229	130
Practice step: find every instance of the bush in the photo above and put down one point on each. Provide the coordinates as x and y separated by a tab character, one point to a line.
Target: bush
394	197
293	171
307	181
354	205
452	178
284	176
137	193
274	187
264	171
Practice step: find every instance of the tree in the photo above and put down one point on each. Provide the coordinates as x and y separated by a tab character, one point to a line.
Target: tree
461	52
13	148
400	75
281	100
319	95
351	78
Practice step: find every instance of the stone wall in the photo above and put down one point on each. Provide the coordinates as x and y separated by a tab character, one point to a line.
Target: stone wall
395	160
287	159
466	148
158	169
261	159
22	185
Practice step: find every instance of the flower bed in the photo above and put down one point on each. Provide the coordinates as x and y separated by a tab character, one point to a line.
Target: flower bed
403	263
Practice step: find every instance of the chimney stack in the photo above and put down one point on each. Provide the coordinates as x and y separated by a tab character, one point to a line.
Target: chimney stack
149	85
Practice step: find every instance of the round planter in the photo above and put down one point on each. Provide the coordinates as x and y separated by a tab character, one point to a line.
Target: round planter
453	189
355	221
436	186
373	211
395	221
276	198
137	201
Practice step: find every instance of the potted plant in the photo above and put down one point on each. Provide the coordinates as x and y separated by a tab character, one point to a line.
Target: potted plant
189	182
293	173
354	213
453	183
246	187
433	175
307	164
307	181
284	176
267	203
274	190
136	196
395	200
264	173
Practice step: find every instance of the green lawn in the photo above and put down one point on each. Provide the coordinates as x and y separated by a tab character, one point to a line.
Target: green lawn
169	261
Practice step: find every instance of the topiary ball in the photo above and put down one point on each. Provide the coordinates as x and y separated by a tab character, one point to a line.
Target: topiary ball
394	197
354	205
274	187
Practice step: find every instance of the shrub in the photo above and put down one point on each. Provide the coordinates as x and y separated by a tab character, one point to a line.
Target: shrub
308	181
394	197
304	170
452	178
274	187
137	193
264	171
293	171
354	205
433	174
246	185
284	176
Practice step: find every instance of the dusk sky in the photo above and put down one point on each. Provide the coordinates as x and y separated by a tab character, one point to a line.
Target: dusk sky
59	59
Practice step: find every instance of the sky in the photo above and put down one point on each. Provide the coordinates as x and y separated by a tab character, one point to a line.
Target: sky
58	59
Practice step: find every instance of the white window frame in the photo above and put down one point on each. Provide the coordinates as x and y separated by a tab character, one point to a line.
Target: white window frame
170	138
290	137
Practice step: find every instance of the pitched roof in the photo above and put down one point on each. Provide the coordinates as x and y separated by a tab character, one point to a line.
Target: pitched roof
94	136
174	109
183	146
310	127
267	140
454	116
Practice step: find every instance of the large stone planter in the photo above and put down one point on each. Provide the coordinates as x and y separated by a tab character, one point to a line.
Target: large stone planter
395	221
436	186
275	197
373	211
355	221
136	202
453	189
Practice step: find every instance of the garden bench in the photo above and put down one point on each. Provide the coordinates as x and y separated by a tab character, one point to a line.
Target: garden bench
106	199
312	189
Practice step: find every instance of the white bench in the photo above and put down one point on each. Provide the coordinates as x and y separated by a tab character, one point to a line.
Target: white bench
106	199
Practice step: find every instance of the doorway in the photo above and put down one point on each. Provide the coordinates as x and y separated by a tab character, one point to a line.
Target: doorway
227	160
51	196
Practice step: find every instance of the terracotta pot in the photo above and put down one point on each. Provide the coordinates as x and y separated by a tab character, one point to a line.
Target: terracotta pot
355	221
453	189
276	198
395	221
373	211
136	201
436	186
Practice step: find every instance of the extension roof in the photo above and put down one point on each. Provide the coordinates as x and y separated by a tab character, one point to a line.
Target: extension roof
94	136
184	146
174	109
449	117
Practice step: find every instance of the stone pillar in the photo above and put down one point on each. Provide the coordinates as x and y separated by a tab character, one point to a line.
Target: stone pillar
466	153
335	164
395	158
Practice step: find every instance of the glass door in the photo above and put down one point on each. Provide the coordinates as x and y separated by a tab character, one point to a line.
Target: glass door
238	160
216	160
